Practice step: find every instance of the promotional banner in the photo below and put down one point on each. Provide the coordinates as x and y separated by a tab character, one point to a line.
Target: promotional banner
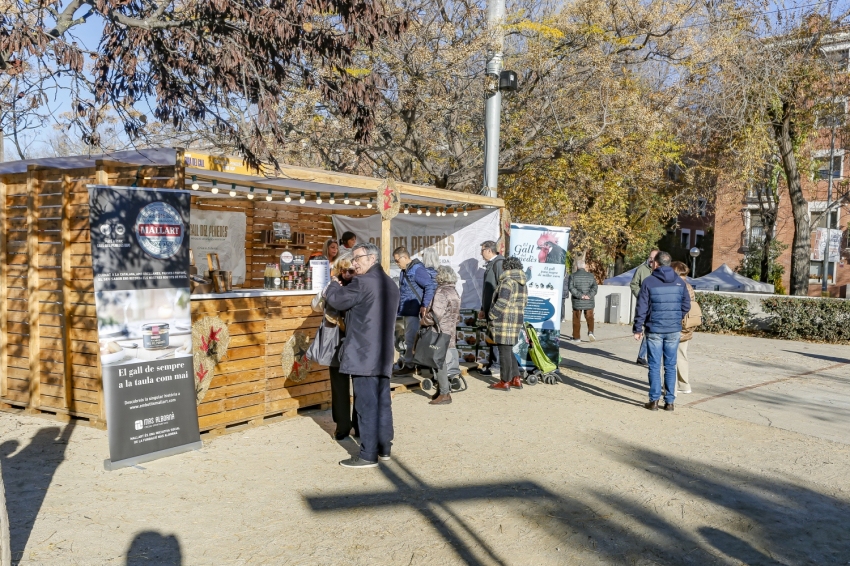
819	245
140	257
457	240
543	252
221	233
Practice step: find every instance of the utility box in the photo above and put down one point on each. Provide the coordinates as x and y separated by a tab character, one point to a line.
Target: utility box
612	308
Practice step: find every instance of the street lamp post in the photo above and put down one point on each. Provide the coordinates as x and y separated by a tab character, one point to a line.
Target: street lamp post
694	256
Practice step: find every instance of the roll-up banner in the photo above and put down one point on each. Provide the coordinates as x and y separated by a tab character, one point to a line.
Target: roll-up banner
543	252
140	256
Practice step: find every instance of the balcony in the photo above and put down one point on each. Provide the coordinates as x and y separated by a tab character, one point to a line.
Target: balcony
754	236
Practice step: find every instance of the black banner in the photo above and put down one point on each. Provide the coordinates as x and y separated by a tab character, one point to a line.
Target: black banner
140	256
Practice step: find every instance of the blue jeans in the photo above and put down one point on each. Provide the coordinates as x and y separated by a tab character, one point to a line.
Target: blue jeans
662	346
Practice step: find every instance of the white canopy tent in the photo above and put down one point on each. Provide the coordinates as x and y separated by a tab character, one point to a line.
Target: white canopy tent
724	279
622	279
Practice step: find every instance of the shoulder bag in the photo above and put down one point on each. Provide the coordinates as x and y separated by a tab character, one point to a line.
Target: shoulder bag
431	347
325	347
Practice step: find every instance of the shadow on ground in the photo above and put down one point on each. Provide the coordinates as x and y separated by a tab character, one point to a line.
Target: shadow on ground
27	474
152	547
760	520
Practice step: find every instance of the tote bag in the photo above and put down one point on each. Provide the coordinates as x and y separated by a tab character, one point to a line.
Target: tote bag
431	347
324	350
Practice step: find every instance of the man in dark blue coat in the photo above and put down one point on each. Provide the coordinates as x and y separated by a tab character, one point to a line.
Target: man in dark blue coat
663	302
416	288
370	303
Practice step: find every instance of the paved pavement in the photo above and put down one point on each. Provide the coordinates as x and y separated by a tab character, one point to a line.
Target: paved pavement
798	386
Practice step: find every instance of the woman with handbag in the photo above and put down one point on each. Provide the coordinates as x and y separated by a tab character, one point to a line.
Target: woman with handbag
505	321
325	350
443	317
689	324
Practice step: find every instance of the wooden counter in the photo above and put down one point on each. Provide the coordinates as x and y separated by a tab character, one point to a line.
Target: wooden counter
248	385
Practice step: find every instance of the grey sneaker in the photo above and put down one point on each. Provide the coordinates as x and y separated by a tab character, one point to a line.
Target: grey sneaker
356	462
591	337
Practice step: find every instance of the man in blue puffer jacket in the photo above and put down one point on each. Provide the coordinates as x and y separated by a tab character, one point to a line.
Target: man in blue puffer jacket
663	302
416	290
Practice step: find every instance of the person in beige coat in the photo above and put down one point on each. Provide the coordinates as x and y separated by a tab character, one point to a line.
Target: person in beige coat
683	384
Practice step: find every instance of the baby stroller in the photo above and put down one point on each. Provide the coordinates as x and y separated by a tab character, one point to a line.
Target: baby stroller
545	369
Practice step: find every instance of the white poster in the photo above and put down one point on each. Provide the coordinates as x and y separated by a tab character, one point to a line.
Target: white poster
221	233
456	239
834	245
543	252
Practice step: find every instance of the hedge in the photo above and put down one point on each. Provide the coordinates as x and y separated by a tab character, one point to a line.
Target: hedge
721	313
812	319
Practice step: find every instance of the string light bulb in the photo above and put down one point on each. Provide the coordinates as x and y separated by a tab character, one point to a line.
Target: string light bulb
465	213
455	213
302	200
369	204
233	189
418	211
214	189
195	182
287	198
269	196
427	212
318	198
406	209
356	201
345	201
251	194
332	199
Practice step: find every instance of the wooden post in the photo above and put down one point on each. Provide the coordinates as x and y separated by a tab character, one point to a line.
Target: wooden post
101	178
67	290
33	186
4	327
385	244
180	169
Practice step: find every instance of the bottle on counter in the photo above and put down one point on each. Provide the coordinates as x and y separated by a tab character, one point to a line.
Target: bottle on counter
267	277
276	277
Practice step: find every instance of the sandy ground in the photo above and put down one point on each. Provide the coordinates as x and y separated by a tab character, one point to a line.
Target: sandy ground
575	473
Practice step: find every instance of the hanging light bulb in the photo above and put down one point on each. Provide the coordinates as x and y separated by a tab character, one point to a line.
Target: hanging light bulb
287	198
356	201
214	189
302	200
233	189
455	213
346	201
332	199
465	213
269	196
369	204
427	212
441	212
406	209
318	198
194	182
251	194
418	211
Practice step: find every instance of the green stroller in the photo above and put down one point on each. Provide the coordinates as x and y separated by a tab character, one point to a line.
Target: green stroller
545	369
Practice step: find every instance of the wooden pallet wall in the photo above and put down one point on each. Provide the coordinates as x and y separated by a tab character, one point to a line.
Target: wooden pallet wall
48	327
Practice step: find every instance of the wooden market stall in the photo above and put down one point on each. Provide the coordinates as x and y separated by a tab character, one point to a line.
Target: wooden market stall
49	351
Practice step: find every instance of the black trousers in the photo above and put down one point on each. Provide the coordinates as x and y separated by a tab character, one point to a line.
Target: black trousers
510	367
341	402
373	404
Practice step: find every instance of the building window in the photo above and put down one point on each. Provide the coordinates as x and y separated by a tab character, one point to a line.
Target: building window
820	239
754	230
685	239
824	169
839	58
702	207
699	239
832	114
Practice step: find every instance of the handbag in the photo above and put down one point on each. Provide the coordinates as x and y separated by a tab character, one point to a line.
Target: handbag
325	347
431	347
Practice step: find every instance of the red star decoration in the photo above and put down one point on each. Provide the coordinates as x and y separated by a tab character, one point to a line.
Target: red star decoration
387	202
202	373
214	334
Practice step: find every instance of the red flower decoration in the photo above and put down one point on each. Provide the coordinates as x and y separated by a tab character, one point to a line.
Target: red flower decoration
205	346
202	373
214	335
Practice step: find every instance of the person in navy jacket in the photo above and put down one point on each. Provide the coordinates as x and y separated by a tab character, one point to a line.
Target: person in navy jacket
416	287
662	303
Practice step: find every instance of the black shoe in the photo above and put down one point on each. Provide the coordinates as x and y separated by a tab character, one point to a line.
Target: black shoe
356	462
668	406
485	371
338	436
652	405
642	362
384	457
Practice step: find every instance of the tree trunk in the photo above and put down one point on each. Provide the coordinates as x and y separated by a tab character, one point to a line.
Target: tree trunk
2	146
800	249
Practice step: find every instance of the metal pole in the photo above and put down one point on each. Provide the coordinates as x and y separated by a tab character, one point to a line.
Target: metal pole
493	105
828	202
694	267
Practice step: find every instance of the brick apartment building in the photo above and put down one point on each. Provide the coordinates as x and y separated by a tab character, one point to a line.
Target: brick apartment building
725	228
